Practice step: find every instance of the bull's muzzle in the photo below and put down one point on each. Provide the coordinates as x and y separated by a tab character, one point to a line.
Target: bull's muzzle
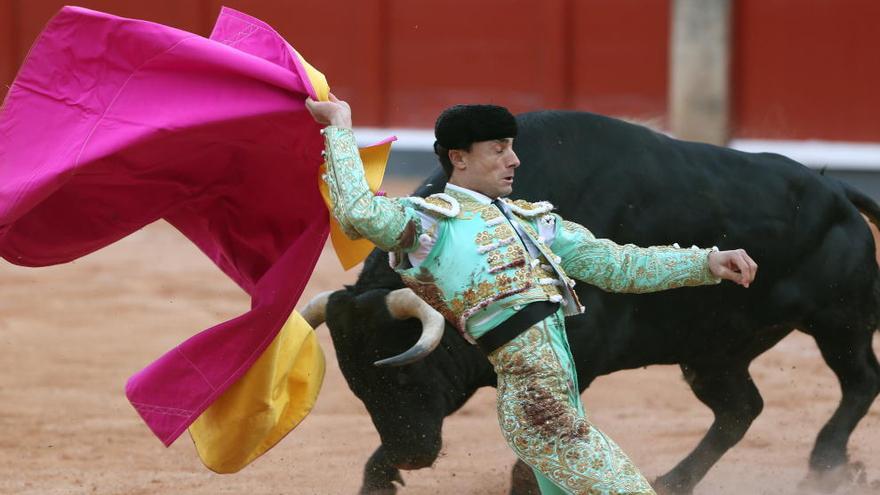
402	304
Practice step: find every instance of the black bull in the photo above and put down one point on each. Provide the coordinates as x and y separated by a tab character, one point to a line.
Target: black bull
817	274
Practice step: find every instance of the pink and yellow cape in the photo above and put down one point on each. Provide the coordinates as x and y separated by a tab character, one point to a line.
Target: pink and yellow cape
114	123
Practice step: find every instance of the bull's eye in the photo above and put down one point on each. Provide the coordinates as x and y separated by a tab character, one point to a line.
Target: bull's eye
403	379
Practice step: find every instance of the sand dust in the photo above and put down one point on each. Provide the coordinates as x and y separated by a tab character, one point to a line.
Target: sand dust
71	335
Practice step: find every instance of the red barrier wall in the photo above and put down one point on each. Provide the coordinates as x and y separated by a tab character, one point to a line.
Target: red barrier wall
505	52
807	70
9	39
619	57
800	68
344	40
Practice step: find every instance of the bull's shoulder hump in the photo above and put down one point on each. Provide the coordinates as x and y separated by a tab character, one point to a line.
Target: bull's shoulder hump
525	208
437	204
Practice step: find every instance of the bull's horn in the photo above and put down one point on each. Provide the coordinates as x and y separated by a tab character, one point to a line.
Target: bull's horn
315	311
402	304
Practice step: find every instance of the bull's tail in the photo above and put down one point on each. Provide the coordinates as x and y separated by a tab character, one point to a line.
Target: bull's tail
870	209
863	202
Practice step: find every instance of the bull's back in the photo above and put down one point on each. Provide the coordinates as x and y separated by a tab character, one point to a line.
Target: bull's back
631	184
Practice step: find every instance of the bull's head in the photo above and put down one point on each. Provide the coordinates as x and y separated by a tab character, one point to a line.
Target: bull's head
408	401
401	305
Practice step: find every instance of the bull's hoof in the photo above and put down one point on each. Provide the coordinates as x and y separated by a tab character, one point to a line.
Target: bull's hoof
383	485
392	490
522	480
386	489
669	485
850	478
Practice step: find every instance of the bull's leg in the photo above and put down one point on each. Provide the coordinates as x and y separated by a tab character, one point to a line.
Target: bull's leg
380	475
851	357
735	401
522	480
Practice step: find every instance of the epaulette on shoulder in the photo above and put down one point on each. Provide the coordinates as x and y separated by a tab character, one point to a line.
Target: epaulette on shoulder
527	209
441	203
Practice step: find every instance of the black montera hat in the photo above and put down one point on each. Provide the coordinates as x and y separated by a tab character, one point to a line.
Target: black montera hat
461	125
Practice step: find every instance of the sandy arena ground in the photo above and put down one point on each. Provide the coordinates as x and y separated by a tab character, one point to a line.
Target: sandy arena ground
71	335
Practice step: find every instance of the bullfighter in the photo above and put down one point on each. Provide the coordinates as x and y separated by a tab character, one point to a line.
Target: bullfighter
501	271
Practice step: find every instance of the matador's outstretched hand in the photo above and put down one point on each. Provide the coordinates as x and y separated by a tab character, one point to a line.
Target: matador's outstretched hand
736	266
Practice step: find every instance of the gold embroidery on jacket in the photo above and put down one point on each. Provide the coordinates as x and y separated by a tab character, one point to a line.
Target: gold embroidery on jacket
489	213
483	239
629	268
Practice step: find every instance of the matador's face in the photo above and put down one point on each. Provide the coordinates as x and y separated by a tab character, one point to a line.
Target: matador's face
487	168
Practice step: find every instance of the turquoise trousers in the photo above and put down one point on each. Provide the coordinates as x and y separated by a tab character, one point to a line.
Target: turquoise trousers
543	421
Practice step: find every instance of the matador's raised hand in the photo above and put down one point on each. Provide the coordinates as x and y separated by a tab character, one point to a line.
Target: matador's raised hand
334	112
736	266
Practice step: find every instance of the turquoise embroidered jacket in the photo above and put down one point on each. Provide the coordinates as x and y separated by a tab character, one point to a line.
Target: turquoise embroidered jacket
478	266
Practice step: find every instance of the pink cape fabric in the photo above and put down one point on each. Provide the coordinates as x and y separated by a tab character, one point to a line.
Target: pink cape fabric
114	123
